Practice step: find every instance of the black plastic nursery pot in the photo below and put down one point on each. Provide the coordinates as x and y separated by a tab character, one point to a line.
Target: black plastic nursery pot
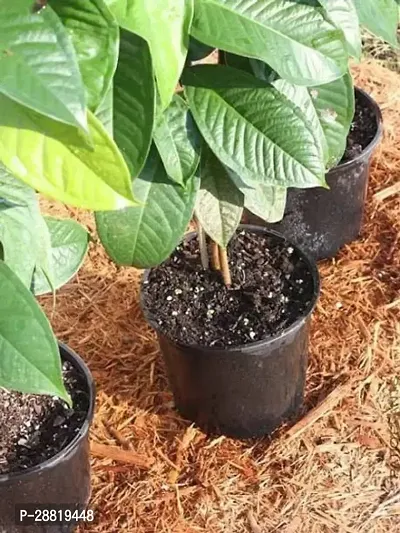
321	221
61	483
242	391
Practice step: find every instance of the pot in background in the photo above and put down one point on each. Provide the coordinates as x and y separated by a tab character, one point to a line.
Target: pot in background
62	480
244	391
321	221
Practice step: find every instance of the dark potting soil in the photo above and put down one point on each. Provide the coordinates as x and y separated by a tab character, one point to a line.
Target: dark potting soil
362	130
34	428
271	287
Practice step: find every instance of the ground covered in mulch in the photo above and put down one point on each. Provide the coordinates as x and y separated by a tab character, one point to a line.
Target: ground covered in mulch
329	473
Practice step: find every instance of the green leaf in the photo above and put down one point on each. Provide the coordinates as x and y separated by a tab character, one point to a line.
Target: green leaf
30	359
145	236
253	128
105	111
178	141
334	104
44	261
69	244
53	159
95	36
164	24
39	68
295	39
266	202
219	203
19	214
134	101
344	15
381	17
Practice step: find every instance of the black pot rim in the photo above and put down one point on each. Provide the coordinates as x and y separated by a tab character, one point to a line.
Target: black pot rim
81	365
250	346
374	142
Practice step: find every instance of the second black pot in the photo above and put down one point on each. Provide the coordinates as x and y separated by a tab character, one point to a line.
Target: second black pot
321	221
63	480
243	391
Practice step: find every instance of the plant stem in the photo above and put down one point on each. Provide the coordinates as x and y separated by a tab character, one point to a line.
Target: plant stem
202	245
226	274
215	262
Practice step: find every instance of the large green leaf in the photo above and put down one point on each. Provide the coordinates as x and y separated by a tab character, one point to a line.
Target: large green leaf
334	104
164	24
145	236
295	39
95	36
266	202
219	203
105	111
253	128
69	244
19	214
53	159
330	110
178	141
134	101
344	15
30	360
39	68
381	17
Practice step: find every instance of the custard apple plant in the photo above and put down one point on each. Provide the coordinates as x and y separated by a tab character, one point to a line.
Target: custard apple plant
103	108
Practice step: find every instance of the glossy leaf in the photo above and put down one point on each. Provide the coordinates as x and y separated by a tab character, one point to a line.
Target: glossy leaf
254	129
69	244
219	203
145	236
381	17
294	38
30	360
105	112
178	141
266	202
334	104
134	101
39	68
164	24
53	159
344	15
301	97
95	36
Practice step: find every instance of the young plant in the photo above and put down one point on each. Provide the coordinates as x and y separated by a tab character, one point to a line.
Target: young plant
101	109
212	139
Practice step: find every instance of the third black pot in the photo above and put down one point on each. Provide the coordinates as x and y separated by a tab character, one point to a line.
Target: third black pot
244	391
63	480
321	221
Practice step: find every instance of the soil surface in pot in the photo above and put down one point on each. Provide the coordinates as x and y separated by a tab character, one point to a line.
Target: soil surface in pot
362	130
271	288
34	428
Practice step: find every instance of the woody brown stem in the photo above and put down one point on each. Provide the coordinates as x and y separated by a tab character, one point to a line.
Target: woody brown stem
226	274
215	262
202	245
